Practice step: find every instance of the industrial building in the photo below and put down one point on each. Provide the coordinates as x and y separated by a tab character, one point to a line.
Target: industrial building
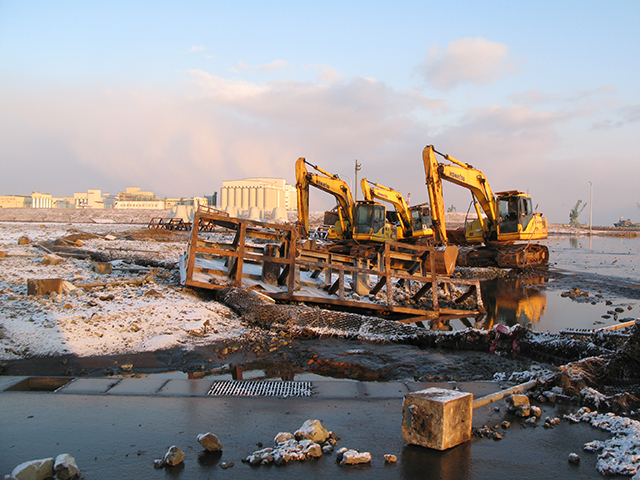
263	193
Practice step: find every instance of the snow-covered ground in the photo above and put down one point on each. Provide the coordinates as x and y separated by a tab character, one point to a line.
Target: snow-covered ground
114	319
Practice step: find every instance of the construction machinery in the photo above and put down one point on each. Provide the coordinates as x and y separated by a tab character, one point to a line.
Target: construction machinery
502	219
358	221
575	213
414	222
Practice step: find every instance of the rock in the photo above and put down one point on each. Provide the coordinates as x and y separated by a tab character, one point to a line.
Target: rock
536	411
34	470
210	442
158	463
52	259
390	458
327	449
68	287
24	240
3	254
314	450
226	465
174	456
312	430
110	237
152	293
574	458
65	467
353	457
519	405
549	395
283	437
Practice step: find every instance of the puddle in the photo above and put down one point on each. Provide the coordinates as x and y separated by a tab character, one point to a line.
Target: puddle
537	304
241	374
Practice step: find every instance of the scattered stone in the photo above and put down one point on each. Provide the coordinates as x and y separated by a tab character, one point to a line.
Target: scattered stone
283	437
174	456
390	458
34	470
536	411
574	458
68	287
24	240
519	405
152	293
126	367
505	424
65	467
226	465
312	430
354	457
52	259
102	268
158	463
110	237
210	442
3	254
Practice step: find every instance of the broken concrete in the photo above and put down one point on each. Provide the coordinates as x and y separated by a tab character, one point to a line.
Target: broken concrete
44	286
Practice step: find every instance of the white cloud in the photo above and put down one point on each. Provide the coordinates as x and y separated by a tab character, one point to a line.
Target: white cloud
466	61
197	48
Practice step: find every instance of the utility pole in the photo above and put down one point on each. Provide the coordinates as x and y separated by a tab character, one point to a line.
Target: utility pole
590	206
358	166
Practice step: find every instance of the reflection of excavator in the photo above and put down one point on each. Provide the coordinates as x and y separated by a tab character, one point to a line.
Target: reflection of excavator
415	222
512	301
503	219
359	221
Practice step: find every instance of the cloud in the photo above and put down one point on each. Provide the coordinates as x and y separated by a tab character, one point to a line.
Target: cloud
536	97
476	61
275	65
197	48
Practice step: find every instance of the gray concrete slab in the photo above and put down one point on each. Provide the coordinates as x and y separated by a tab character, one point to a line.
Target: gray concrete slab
331	389
138	386
186	388
88	386
8	382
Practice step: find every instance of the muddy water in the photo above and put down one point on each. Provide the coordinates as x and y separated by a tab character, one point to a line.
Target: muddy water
598	266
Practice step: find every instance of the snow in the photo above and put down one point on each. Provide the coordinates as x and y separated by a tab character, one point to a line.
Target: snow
115	319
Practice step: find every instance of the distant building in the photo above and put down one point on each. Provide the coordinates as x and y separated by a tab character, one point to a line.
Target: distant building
264	193
92	198
15	201
41	200
134	198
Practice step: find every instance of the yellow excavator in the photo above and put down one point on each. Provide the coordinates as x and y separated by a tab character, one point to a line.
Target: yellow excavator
358	221
415	222
502	219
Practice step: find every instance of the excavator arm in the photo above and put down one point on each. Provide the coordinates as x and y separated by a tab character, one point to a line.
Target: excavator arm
328	183
373	191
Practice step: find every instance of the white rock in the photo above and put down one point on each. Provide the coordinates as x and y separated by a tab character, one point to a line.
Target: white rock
174	456
210	442
312	430
283	437
313	450
65	467
353	457
34	470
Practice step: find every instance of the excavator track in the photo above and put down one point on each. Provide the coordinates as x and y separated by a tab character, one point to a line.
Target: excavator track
503	256
522	256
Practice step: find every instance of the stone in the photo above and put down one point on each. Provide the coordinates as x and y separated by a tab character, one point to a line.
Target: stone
519	405
110	237
353	457
102	268
174	456
314	450
390	458
24	240
283	437
437	418
574	458
536	411
3	254
65	467
312	430
52	259
68	288
43	286
34	470
210	442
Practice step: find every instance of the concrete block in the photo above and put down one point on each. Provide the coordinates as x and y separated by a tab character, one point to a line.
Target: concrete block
3	254
437	418
102	268
52	259
43	286
24	240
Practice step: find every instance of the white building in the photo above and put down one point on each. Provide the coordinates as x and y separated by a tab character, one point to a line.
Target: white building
92	198
264	193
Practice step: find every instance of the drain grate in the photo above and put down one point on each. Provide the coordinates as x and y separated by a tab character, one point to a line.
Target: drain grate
248	388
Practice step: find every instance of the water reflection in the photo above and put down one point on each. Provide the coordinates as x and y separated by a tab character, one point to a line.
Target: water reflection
508	301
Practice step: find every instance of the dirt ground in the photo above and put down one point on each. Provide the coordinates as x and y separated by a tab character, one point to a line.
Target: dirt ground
217	341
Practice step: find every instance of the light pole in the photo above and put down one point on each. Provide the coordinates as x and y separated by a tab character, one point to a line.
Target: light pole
357	169
590	206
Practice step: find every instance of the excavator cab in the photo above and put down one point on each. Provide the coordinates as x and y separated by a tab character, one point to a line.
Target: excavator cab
515	214
370	223
421	220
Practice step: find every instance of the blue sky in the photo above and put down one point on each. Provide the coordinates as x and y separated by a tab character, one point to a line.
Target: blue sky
176	97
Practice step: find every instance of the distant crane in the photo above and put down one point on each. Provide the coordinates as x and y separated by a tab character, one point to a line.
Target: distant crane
575	213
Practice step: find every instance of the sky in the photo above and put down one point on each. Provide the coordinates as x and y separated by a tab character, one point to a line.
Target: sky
176	97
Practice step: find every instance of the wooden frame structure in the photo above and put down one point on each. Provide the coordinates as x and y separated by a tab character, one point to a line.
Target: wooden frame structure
224	252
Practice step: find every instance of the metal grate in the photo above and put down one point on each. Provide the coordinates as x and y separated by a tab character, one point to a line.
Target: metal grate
247	388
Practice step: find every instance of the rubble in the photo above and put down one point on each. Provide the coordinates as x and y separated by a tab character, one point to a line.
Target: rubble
210	442
65	467
62	467
352	457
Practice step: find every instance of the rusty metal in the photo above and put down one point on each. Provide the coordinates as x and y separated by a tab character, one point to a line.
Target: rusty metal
271	259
